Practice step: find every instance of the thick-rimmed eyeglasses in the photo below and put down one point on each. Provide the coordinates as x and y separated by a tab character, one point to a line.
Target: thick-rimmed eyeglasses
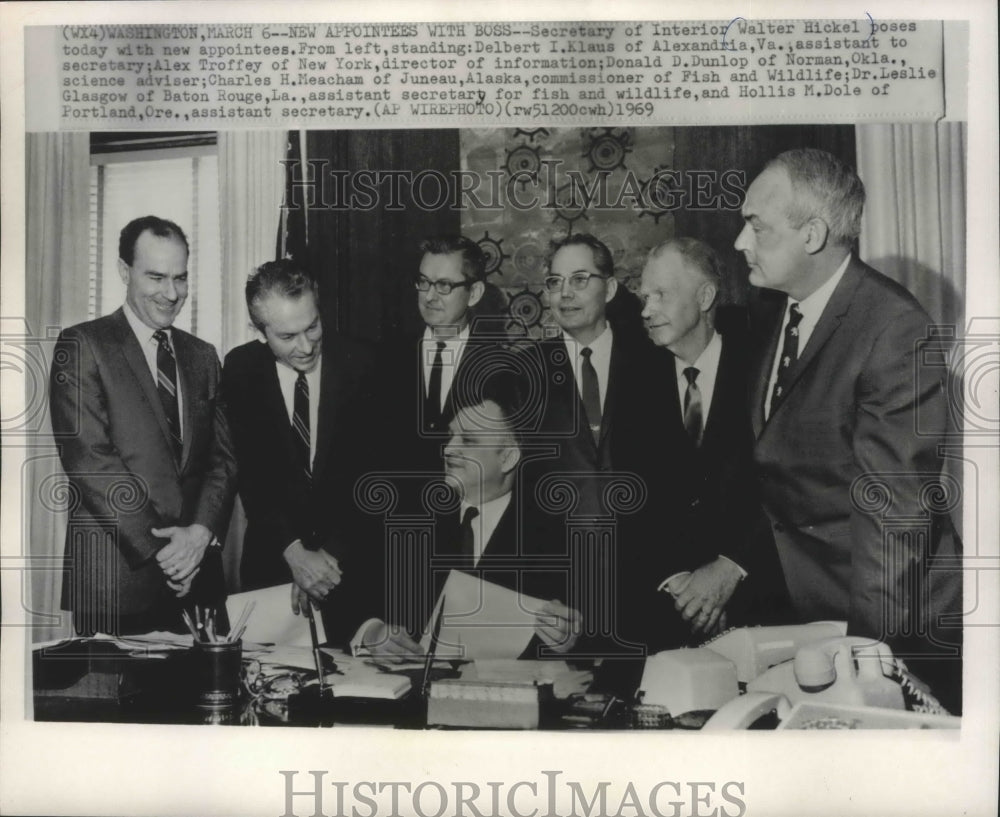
577	281
440	287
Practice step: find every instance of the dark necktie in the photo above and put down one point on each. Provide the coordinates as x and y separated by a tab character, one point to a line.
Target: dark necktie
466	537
300	424
166	385
591	393
432	406
789	354
693	421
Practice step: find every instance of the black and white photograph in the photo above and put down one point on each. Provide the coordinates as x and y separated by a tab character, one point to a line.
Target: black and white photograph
411	415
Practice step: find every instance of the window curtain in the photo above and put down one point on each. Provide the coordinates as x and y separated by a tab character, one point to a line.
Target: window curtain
914	221
56	277
914	227
251	189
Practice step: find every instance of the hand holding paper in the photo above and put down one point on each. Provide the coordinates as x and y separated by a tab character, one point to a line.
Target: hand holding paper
558	625
385	639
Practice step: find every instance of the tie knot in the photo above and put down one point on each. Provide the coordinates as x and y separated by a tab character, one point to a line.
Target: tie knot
691	373
470	514
300	379
586	352
794	315
161	337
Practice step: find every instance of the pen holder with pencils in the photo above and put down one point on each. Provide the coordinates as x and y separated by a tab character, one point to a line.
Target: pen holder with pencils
216	673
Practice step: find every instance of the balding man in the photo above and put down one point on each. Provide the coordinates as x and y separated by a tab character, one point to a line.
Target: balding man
846	414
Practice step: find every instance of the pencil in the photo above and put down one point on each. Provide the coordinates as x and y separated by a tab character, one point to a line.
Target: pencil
190	624
242	620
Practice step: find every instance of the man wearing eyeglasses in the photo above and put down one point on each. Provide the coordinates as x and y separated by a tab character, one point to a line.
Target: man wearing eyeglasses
594	368
449	284
422	374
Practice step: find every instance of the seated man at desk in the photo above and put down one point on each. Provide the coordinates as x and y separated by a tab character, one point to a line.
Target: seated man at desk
494	532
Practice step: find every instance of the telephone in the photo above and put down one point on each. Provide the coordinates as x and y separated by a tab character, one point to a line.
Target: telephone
756	649
843	680
707	677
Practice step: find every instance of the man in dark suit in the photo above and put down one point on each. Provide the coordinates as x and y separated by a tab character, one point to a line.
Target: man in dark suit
296	404
492	529
699	430
419	374
594	372
846	414
144	441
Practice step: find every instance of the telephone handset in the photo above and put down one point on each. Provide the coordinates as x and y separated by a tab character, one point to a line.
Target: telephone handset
755	650
848	670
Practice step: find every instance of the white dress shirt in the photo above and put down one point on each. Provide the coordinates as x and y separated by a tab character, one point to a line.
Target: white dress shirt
450	356
485	523
149	346
812	310
600	359
483	527
707	365
286	380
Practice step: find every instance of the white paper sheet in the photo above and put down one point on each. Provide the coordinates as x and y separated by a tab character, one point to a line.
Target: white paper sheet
482	619
272	620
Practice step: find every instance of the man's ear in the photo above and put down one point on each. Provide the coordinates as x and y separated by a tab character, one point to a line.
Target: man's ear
707	294
611	287
123	271
817	232
509	459
476	292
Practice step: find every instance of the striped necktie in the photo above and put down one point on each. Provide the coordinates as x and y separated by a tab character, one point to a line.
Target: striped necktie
166	386
300	425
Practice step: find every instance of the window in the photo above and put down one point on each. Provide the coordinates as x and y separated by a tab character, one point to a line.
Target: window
172	176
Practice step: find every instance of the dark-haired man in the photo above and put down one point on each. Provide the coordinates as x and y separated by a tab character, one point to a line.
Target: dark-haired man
495	532
595	371
295	404
421	375
143	438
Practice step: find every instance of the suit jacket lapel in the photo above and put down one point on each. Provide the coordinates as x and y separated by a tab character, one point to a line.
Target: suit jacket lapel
829	322
273	401
616	362
129	345
185	374
722	401
503	543
329	392
762	378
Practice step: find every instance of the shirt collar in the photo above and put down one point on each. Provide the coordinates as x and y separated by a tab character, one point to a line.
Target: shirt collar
708	360
489	514
139	329
460	337
812	307
601	345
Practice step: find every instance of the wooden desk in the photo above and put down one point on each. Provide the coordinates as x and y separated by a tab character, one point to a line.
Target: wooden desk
95	681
